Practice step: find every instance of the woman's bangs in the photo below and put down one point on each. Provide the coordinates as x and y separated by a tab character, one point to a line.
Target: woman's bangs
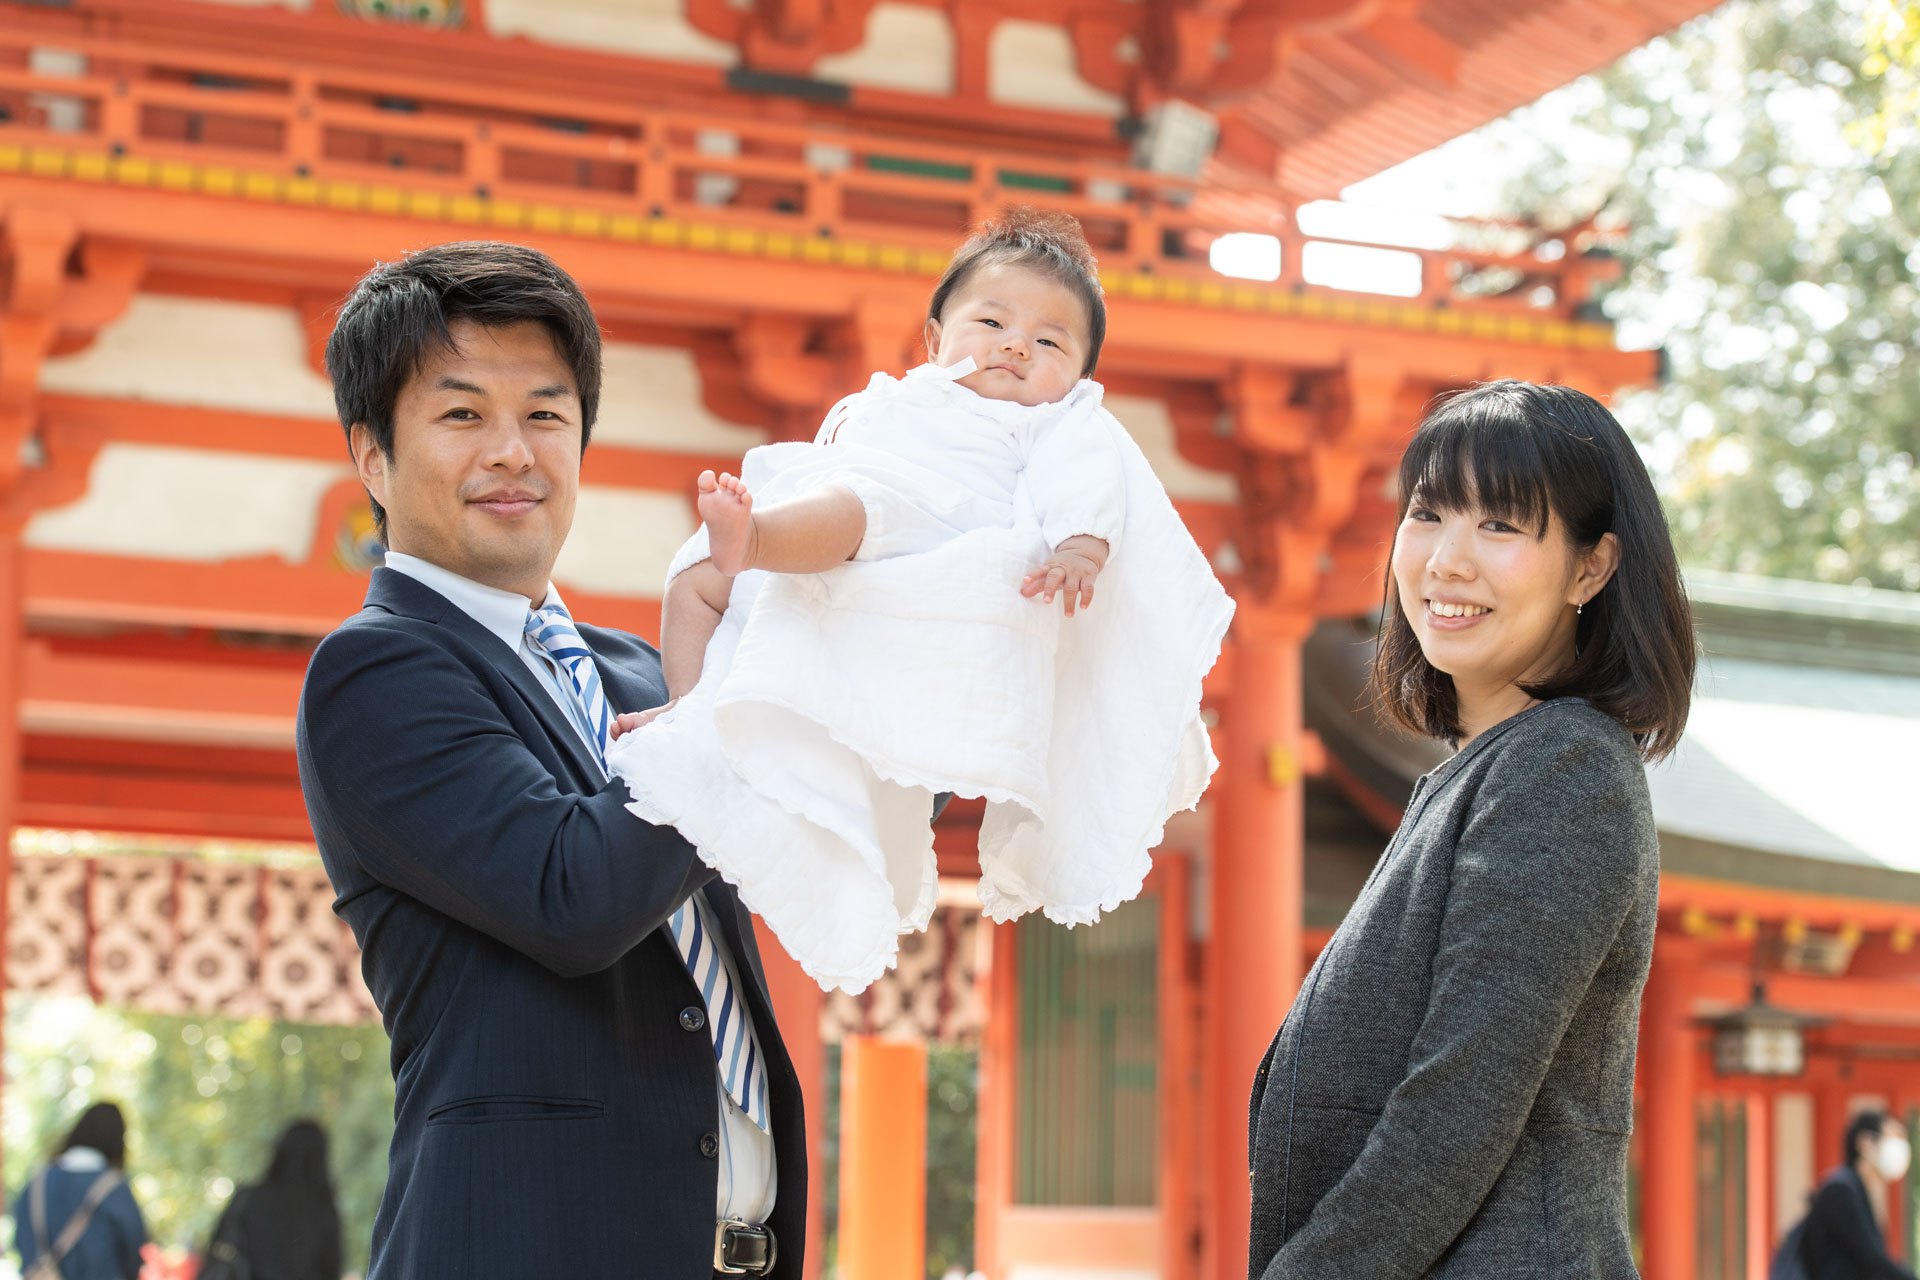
1467	460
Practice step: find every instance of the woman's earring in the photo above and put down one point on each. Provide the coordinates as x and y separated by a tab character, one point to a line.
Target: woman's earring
1577	608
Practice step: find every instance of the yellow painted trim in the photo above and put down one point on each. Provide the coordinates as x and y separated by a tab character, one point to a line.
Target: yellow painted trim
384	199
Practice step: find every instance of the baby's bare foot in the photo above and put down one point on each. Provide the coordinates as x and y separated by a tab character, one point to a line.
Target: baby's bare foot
727	508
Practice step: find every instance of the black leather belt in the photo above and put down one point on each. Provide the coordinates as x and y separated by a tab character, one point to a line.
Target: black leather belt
743	1250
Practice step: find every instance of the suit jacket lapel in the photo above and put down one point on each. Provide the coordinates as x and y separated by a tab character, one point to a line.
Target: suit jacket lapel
397	593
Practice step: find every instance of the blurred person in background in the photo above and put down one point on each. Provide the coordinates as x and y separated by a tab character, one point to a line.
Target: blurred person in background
1843	1236
284	1227
76	1219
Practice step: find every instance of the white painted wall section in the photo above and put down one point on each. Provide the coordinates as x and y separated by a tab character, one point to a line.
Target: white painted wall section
191	504
650	398
645	28
201	352
1151	426
623	540
909	48
1032	64
1795	1166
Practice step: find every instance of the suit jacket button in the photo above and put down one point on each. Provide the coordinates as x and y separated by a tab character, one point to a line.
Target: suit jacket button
693	1019
710	1145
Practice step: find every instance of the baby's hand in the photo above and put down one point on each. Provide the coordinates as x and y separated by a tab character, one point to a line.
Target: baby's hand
1070	571
627	722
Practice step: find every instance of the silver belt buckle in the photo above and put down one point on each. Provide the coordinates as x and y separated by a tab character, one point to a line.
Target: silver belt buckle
722	1265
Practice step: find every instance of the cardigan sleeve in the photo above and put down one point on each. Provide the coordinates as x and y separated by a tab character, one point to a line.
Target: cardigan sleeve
1545	871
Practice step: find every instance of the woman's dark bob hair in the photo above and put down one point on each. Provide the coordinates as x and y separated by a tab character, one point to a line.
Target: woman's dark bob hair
1045	241
1536	456
103	1128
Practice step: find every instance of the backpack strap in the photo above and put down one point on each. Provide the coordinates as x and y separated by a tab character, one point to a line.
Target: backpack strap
37	1210
103	1186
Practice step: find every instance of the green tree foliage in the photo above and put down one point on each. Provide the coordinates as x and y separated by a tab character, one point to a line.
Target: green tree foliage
1769	240
205	1100
953	1114
1893	55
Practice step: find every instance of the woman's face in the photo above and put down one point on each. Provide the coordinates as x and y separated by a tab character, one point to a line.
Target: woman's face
1492	603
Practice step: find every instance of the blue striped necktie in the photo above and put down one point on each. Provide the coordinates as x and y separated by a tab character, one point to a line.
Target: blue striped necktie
551	631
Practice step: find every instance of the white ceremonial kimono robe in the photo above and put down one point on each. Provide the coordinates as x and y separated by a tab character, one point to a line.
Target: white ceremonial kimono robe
832	706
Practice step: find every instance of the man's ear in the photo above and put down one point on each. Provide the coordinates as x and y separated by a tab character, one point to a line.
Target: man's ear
932	338
369	461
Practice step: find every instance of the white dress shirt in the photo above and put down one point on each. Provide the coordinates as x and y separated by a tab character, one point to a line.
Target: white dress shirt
747	1182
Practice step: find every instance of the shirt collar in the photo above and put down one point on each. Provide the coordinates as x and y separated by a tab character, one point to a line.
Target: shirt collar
82	1160
502	612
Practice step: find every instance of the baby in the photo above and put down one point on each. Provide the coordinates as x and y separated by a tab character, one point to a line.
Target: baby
862	622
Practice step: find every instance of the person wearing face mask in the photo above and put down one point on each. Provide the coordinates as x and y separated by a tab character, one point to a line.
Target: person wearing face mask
1843	1237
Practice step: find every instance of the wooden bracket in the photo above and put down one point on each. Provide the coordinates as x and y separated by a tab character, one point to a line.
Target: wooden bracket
62	455
884	333
786	36
58	290
779	364
1265	416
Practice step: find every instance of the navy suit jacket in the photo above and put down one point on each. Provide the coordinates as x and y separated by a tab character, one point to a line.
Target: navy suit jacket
552	1117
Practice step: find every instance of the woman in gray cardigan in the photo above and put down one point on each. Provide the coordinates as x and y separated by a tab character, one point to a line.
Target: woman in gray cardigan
1452	1091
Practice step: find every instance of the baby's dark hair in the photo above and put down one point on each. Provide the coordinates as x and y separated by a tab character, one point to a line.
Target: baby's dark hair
1044	240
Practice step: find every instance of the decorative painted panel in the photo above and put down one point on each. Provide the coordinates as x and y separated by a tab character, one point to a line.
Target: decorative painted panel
241	939
930	994
184	936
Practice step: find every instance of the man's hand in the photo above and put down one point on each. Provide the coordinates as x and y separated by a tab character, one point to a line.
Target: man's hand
627	722
1068	572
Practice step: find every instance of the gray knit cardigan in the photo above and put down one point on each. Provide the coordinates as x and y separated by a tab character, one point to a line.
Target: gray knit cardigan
1452	1091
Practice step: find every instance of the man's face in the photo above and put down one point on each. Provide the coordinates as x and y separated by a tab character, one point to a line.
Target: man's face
486	457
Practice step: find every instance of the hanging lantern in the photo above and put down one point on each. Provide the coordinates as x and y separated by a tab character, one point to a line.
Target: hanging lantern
1760	1040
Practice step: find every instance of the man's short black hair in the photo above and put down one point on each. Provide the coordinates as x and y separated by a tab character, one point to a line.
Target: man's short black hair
400	311
1867	1124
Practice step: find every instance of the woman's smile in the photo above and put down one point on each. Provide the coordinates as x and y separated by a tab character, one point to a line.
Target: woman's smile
1450	615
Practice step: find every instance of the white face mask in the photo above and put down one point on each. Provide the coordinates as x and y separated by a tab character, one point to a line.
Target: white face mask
1892	1158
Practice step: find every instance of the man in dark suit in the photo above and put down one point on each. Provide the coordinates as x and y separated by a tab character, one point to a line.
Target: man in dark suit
588	1079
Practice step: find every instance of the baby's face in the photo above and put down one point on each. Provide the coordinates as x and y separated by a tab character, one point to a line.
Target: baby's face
1027	334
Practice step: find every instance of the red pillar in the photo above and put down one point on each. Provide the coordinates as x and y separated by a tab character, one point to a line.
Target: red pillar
797	1004
1669	1049
1759	1184
1253	961
12	643
883	1158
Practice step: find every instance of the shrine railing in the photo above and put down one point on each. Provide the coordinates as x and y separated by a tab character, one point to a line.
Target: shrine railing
260	127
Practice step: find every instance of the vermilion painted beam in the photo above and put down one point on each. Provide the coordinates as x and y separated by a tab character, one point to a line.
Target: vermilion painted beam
197	808
150	700
1869	999
321	440
262	594
1724	901
210	230
100	784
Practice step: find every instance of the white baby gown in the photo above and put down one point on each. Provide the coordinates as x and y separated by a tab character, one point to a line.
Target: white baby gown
831	706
